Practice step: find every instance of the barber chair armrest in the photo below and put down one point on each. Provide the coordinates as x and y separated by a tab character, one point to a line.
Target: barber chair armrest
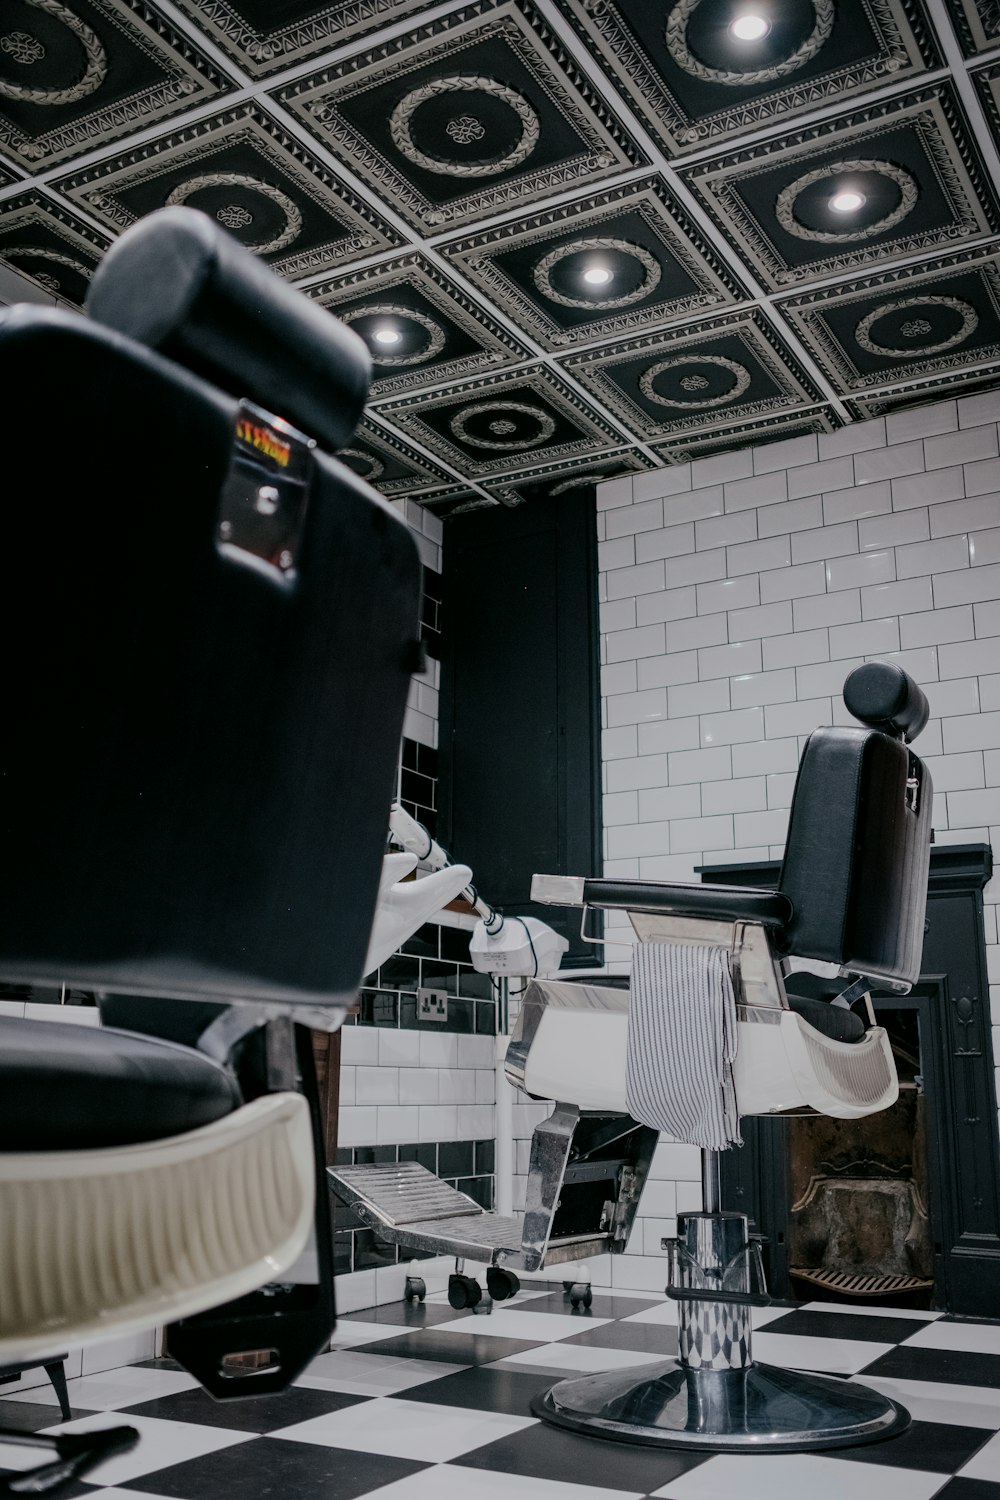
717	903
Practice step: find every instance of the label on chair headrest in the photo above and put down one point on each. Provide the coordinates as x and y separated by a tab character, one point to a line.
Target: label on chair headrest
263	502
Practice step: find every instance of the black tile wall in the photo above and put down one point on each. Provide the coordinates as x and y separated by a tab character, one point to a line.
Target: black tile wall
430	616
39	994
418	775
438	958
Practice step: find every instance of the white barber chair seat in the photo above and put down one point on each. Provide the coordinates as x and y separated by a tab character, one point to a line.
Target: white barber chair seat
852	894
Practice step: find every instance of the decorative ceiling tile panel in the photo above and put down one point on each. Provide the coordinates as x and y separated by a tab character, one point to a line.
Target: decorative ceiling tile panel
262	36
471	115
852	192
806	230
694	81
903	326
457	501
977	23
76	76
390	465
732	370
962	383
768	430
598	267
987	81
420	328
563	479
39	239
244	170
503	423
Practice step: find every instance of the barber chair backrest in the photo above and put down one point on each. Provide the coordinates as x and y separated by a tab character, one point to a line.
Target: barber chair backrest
210	628
859	836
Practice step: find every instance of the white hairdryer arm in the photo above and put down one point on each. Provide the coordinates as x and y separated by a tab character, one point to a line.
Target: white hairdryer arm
413	836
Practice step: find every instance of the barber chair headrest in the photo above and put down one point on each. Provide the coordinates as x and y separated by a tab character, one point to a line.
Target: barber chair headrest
232	620
885	697
175	282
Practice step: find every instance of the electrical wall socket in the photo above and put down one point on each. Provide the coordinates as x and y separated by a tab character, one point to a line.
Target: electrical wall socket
432	1005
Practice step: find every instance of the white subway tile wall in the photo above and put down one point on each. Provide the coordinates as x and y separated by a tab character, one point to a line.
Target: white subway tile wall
805	558
428	1093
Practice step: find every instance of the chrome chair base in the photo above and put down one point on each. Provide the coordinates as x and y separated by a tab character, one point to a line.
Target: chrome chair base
758	1408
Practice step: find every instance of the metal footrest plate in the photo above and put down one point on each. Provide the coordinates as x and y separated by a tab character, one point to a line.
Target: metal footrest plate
411	1207
400	1193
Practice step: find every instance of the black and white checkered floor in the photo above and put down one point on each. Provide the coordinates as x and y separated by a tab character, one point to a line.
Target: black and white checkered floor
424	1403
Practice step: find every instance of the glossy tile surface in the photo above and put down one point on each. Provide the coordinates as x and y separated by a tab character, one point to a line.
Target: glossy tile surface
428	1403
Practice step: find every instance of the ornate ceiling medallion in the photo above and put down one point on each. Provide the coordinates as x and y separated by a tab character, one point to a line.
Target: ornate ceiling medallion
234	216
677	46
373	466
784	207
465	129
22	47
650	265
741	380
576	482
402	115
968	315
39	252
436	336
460	421
94	73
293	219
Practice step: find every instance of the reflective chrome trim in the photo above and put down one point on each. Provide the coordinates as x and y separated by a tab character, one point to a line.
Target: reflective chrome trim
757	1409
561	994
558	890
550	1146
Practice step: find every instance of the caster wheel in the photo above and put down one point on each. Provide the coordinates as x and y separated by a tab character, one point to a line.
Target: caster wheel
580	1295
416	1289
501	1284
567	1287
463	1291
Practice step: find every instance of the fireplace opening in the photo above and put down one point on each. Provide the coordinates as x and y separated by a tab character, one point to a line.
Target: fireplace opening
859	1226
924	1196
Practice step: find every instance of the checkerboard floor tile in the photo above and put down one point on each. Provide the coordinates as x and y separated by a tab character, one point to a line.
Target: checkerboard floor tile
422	1402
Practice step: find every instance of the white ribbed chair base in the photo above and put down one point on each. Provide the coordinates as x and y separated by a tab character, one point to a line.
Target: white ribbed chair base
579	1039
101	1243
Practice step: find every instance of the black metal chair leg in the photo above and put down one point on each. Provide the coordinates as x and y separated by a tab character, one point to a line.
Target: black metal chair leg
56	1372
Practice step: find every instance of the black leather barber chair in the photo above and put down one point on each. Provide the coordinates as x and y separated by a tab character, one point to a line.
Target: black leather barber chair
211	625
851	897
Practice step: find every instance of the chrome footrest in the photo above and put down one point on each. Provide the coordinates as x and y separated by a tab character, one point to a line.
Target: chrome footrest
411	1207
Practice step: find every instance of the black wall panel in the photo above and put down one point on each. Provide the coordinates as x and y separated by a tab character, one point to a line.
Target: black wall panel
520	773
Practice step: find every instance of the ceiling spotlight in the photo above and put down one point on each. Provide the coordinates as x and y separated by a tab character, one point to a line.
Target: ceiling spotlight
387	335
598	275
847	202
749	27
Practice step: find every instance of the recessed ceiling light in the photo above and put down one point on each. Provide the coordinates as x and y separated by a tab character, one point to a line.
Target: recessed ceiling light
598	275
847	202
749	27
387	335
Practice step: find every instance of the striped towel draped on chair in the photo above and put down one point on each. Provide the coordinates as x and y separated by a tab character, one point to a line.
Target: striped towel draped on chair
682	1042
